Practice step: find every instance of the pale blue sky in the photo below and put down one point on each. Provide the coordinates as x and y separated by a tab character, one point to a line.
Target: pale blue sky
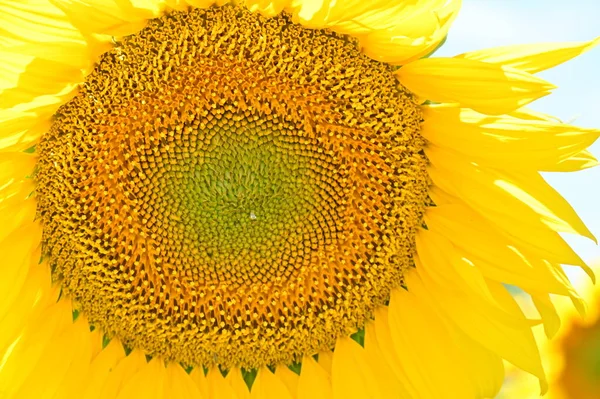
490	23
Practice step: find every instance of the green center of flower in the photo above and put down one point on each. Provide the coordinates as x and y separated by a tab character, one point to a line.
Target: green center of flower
234	190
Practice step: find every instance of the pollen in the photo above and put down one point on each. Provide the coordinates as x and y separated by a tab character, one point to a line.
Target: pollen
230	189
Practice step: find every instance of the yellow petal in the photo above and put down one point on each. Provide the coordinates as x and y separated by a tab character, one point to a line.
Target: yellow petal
237	383
110	17
147	383
581	160
497	256
314	381
548	312
491	140
416	30
122	373
100	368
424	348
20	129
484	367
532	58
440	265
392	32
41	77
351	374
289	378
268	386
504	199
64	365
178	384
218	388
17	250
514	343
35	296
15	166
326	360
391	386
267	8
36	22
198	377
22	359
487	88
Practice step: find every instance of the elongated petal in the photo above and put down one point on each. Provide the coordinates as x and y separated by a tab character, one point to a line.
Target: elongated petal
178	384
111	17
487	88
491	140
28	353
289	379
581	160
501	198
121	374
392	32
351	375
424	348
532	58
100	368
146	383
36	22
497	256
315	382
268	386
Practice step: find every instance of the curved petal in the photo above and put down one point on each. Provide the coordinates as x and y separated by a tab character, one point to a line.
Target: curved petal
268	386
315	382
351	374
491	140
532	58
486	88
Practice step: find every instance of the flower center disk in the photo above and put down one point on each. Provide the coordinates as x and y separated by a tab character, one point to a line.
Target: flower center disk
230	189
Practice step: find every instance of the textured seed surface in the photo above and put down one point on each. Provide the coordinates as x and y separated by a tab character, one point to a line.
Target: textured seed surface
234	190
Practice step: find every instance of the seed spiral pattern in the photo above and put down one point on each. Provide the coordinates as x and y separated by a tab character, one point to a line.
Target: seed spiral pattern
234	190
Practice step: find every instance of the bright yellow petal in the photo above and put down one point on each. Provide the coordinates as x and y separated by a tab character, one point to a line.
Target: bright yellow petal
492	140
28	353
496	255
20	129
391	32
548	312
35	21
510	338
100	368
178	384
35	296
506	200
314	382
218	387
390	384
122	373
425	349
268	386
289	378
267	8
237	383
487	88
64	365
581	160
110	17
147	383
351	375
532	58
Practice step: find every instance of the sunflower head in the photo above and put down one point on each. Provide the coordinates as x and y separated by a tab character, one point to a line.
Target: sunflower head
273	199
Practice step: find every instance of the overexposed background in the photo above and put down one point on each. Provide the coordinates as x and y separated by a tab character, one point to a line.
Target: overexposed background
489	23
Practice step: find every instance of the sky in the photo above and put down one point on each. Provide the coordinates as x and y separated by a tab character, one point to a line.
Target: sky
490	23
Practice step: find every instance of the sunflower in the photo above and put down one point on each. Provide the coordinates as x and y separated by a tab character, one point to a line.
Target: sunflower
572	358
273	199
